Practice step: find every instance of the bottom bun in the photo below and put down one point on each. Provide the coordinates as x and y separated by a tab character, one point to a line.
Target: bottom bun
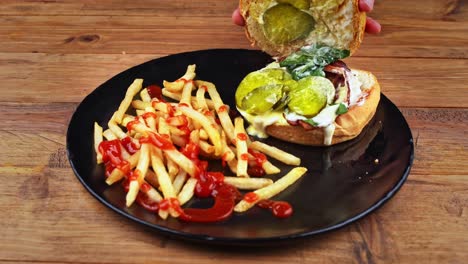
348	125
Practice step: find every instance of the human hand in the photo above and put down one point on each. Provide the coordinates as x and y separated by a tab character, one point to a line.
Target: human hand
372	26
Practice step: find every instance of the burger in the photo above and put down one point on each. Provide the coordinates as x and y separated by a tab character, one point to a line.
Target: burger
308	95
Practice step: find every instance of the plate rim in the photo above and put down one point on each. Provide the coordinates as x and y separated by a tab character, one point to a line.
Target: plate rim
227	240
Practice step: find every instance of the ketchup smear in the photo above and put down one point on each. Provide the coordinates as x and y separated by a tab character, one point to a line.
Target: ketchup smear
111	152
279	209
209	184
155	91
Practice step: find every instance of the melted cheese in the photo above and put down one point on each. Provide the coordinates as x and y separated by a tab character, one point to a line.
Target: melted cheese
355	92
259	123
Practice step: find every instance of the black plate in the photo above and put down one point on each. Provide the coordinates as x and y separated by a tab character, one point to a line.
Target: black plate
344	182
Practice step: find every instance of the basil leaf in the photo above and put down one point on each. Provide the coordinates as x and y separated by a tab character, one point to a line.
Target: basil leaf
311	60
342	109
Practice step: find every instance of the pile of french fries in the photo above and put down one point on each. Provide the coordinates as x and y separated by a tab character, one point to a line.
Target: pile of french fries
167	174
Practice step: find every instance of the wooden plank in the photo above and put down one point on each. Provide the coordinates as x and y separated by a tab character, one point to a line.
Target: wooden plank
83	228
407	82
168	8
42	187
409	31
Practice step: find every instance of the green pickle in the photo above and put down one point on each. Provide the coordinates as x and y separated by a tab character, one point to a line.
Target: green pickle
264	77
284	23
300	4
311	95
262	99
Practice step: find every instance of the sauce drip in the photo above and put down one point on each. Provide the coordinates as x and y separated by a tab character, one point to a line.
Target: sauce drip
158	140
251	197
145	202
111	152
279	209
155	91
225	196
256	168
129	145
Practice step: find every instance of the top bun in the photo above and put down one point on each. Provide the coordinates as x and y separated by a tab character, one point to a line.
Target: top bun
281	27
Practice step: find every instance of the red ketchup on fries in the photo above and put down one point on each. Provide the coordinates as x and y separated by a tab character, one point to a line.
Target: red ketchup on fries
182	145
209	184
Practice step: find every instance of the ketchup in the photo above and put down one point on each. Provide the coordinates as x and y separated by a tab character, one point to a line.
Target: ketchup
256	169
222	108
251	197
242	136
129	145
143	200
155	91
279	209
158	140
132	124
111	152
225	196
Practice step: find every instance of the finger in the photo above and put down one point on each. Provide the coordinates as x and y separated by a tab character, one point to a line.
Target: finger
372	26
237	18
366	5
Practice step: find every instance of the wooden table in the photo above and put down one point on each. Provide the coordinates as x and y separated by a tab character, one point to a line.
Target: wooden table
54	52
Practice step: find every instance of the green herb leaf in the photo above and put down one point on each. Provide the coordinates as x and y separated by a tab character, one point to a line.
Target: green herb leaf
311	122
342	109
311	60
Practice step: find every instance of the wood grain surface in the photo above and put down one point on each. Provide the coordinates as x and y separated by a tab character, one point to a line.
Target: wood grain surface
54	52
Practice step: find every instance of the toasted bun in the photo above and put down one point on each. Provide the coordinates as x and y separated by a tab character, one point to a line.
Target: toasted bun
338	24
348	125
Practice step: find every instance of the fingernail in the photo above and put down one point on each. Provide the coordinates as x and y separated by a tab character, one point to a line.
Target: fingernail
366	5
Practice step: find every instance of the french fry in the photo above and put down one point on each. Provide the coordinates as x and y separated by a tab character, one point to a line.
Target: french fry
116	129
186	97
172	168
221	109
151	178
109	135
97	140
203	134
140	105
241	146
134	88
182	161
127	119
144	95
270	168
163	127
178	96
275	153
163	177
179	181
187	191
206	147
228	154
272	190
163	214
207	125
201	100
116	175
151	119
233	165
141	169
248	183
154	195
178	85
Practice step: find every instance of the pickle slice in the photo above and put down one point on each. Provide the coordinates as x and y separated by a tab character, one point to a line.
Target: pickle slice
262	99
300	4
311	96
284	23
253	80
